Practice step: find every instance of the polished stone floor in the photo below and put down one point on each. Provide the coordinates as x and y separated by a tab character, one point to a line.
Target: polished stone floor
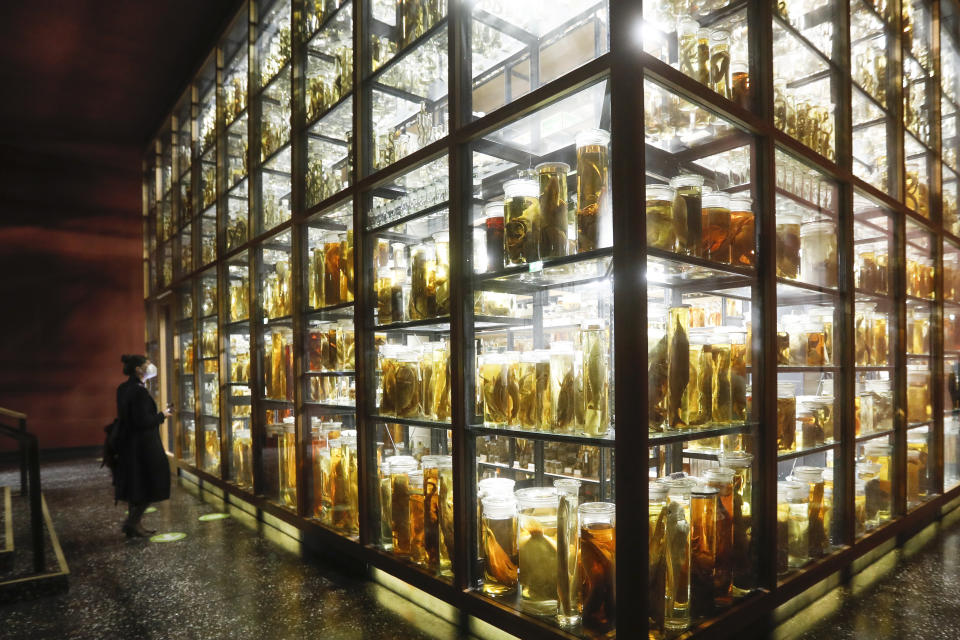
224	580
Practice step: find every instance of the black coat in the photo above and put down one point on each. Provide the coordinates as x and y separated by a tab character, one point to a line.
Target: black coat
143	473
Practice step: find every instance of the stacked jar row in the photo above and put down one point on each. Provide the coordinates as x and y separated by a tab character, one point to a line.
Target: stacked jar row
806	248
415	381
805	340
803	421
330	350
558	553
804	517
414	289
330	272
564	389
536	220
683	217
697	378
334	466
699	543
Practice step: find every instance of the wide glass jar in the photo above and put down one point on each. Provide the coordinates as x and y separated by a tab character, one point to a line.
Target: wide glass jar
717	233
786	417
788	244
743	243
538	549
522	221
498	526
818	250
661	232
687	216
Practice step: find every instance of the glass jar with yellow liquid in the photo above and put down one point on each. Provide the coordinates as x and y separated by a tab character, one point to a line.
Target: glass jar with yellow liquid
793	540
594	373
445	467
661	233
677	543
657	555
401	467
593	207
786	417
716	227
499	542
568	552
788	244
879	494
918	394
876	495
286	444
743	579
552	177
818	534
538	549
687	213
522	221
597	567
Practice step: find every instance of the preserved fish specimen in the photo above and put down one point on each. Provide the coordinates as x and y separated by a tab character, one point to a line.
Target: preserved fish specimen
534	389
788	245
786	417
743	579
242	462
493	377
699	401
716	226
818	247
657	378
441	275
488	487
408	385
538	549
677	614
344	480
418	553
720	62
427	383
522	221
721	479
445	465
659	212
568	550
742	245
678	364
499	543
513	387
562	387
493	234
592	184
441	377
388	380
722	399
423	294
657	572
792	526
687	220
817	535
598	568
288	466
703	56
687	29
431	510
346	268
703	549
400	469
880	349
594	371
738	378
553	208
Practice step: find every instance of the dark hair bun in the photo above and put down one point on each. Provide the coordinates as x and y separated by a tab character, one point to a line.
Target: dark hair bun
131	362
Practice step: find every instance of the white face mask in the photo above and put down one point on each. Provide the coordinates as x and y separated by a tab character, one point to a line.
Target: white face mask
151	372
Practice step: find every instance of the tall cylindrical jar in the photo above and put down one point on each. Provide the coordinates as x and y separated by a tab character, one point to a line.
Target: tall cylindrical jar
677	613
499	543
786	417
687	220
818	250
400	469
553	208
703	549
445	465
593	207
678	364
595	372
598	567
743	577
661	233
721	479
716	226
818	534
788	244
522	221
568	550
657	554
743	231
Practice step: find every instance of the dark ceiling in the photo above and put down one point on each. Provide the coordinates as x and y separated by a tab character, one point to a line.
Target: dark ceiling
99	71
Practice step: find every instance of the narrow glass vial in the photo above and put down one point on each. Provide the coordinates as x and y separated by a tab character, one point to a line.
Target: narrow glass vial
593	162
703	549
677	613
553	208
720	62
716	226
721	479
657	556
499	543
743	578
595	371
431	510
386	506
562	387
659	212
445	464
722	398
288	466
687	217
598	568
786	417
493	234
400	469
418	552
568	551
538	549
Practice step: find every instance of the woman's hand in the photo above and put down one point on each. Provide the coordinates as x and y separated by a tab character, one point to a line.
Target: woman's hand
168	411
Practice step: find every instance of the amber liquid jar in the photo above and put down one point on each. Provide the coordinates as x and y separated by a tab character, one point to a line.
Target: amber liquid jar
716	227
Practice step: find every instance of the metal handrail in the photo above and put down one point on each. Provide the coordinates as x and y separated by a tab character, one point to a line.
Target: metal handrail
29	470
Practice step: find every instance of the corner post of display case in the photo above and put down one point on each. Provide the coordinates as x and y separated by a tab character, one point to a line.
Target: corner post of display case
895	130
899	283
223	340
461	297
297	251
254	125
935	453
763	168
630	311
195	194
365	359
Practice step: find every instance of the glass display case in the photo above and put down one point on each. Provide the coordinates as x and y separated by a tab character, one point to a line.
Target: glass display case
413	244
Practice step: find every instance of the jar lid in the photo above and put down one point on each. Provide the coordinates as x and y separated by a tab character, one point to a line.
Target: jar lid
808	474
686	180
592	137
721	474
877	449
741	202
567	486
657	492
818	226
499	506
493	209
735	459
661	192
716	199
497	485
552	167
401	464
785	389
703	491
597	512
536	497
520	187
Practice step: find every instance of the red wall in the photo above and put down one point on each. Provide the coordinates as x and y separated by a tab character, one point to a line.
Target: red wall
71	284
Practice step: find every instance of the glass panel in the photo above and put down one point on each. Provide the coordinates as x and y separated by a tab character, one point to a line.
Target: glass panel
329	101
702	305
409	93
210	369
236	132
184	373
871	49
184	142
237	387
185	254
804	90
518	47
808	309
274	49
949	116
704	40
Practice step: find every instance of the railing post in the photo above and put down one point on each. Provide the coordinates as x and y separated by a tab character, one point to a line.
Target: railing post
36	507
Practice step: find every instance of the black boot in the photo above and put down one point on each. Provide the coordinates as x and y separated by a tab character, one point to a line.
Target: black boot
132	527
